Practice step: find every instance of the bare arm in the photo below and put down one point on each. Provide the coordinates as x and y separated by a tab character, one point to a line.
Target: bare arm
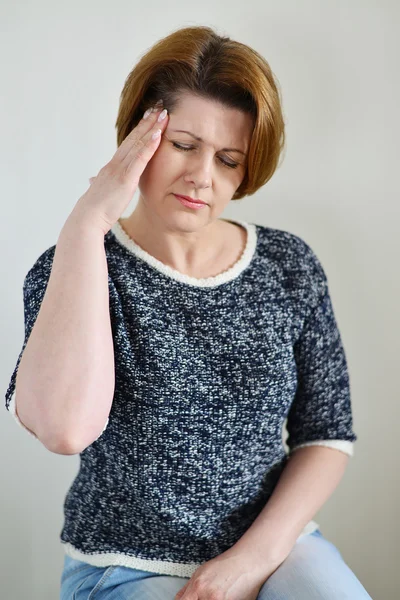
66	378
309	478
65	381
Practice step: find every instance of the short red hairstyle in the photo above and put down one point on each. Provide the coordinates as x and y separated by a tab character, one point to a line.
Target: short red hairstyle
199	61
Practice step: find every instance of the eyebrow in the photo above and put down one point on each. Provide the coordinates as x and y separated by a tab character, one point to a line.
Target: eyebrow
199	139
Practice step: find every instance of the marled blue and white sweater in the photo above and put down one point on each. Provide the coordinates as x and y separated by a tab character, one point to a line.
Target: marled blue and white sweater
207	374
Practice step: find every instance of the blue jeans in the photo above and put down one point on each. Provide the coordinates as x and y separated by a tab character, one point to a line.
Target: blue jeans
314	570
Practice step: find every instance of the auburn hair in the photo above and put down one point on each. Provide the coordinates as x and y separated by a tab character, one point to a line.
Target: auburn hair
215	67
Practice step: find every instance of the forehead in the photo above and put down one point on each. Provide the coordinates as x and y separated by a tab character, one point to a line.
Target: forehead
219	126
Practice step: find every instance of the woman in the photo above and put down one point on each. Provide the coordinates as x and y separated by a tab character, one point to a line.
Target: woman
174	344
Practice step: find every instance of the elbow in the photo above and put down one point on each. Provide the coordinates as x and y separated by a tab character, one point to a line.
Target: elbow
63	447
53	443
52	436
57	438
58	444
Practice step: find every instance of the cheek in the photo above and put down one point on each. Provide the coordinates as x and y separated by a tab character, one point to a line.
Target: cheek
157	174
155	169
163	161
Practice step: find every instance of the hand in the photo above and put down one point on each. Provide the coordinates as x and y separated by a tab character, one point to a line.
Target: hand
231	575
114	186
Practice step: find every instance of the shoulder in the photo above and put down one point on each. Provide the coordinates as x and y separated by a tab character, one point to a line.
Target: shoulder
287	248
292	259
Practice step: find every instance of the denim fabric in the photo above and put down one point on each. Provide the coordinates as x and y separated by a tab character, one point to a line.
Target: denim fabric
314	570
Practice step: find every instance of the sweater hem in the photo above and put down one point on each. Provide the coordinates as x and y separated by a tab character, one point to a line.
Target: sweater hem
160	567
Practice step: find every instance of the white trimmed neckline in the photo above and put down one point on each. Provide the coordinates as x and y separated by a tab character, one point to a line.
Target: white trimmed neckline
234	271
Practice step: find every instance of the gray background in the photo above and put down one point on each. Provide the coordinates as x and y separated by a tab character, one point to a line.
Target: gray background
63	67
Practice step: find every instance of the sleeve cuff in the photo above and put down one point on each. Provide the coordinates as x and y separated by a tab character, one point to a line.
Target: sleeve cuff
342	445
13	410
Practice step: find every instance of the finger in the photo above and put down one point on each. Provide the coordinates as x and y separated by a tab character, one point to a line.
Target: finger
140	154
137	134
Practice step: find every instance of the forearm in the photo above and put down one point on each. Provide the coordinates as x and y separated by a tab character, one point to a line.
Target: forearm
307	481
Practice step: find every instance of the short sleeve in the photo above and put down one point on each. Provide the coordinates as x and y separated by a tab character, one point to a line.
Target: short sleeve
34	288
321	412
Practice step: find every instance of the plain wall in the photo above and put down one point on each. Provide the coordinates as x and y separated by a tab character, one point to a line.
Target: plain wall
62	70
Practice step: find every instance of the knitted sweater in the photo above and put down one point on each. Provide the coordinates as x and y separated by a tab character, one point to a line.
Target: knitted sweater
208	373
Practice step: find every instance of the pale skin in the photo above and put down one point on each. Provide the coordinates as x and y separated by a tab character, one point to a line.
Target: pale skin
191	241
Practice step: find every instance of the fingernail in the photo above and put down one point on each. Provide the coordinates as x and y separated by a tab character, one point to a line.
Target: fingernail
156	134
162	115
147	113
159	103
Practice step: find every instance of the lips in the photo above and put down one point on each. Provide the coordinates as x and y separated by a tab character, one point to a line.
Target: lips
191	199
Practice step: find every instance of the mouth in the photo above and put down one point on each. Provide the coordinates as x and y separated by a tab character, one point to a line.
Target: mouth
189	199
190	202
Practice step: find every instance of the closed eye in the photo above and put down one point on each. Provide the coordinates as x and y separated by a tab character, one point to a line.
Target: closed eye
230	165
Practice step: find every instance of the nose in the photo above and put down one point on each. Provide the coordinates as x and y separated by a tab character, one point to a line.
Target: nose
199	173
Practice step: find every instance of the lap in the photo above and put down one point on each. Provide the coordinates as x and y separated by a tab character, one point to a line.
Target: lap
314	570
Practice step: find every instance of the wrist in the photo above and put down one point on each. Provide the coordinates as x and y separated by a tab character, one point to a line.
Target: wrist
261	559
85	220
270	551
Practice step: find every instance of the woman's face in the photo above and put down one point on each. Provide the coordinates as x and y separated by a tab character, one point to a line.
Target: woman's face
199	169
